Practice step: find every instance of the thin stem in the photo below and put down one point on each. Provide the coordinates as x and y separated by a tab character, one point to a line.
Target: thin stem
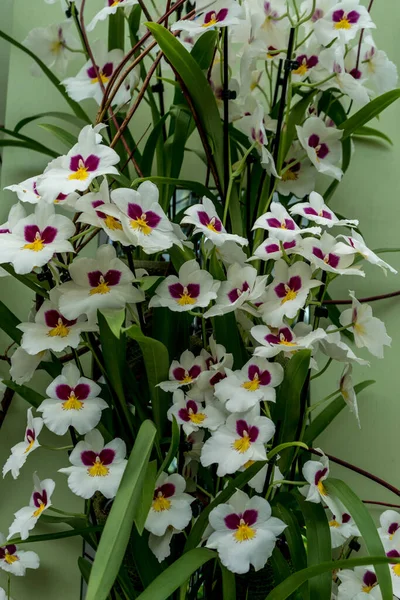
388	504
317	404
282	482
60	448
144	9
9	587
69	514
340	328
316	84
322	371
367	299
360	471
227	164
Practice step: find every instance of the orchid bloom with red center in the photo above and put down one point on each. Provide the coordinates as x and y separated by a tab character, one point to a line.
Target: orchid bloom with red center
241	439
16	561
326	254
220	13
288	292
27	191
104	282
244	532
317	211
322	145
95	466
245	389
52	45
27	517
285	339
361	582
281	225
72	401
144	222
34	240
356	245
192	288
21	451
206	220
342	526
184	371
192	415
170	506
342	22
75	171
298	174
315	472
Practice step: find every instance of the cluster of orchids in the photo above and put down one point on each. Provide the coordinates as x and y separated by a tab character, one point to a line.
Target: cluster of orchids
180	322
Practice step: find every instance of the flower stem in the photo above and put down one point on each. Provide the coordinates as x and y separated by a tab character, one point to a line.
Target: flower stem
341	328
68	514
322	370
317	404
53	448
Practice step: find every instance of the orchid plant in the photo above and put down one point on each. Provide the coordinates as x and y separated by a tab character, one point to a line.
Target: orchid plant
180	322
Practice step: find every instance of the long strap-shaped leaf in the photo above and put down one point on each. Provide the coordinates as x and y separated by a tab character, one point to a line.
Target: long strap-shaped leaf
118	526
367	527
56	82
176	575
368	112
200	93
292	583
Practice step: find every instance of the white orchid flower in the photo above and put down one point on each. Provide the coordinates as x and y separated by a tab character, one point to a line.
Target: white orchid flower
322	145
170	506
27	517
15	561
21	451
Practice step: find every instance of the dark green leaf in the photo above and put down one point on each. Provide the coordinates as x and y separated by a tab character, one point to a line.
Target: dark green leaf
71	119
295	118
368	112
85	568
326	416
144	505
359	512
45	537
117	529
176	575
372	133
9	323
228	584
28	146
34	398
116	30
173	448
151	145
292	534
68	138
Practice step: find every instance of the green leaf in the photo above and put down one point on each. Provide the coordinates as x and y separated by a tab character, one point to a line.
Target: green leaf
282	447
116	30
117	529
68	138
288	410
279	566
371	132
26	280
292	583
9	323
176	575
173	448
85	568
34	398
228	584
226	332
151	145
46	537
319	547
56	82
359	512
295	118
28	146
292	534
184	184
326	416
235	484
198	88
368	112
156	361
71	119
180	255
144	505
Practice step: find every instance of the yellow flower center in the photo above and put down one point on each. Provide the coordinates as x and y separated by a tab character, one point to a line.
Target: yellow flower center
37	245
242	444
396	569
283	341
187	378
10	558
98	469
115	3
101	288
81	174
244	532
29	447
60	330
368	588
290	295
253	385
322	489
213	20
186	298
334	523
112	223
72	403
211	225
249	463
56	47
302	69
360	329
104	78
141	224
196	418
289	176
344	23
161	503
39	511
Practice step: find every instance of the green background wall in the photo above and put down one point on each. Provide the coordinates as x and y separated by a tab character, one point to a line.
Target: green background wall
370	192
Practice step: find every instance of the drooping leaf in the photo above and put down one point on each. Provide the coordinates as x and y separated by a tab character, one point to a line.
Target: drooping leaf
146	496
368	112
292	583
367	527
71	119
34	398
228	584
117	529
9	322
371	132
85	567
156	361
176	575
65	136
326	416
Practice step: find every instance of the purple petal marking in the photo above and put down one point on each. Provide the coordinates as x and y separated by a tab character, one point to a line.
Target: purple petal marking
318	14
272	339
327	215
88	458
52	316
152	219
30	435
108	69
290	224
30	232
94	278
91	71
333	260
205	220
193	290
318	252
312	61
107	456
346	518
263	376
194	371
92	162
217	378
232	521
286	333
289	245
82	391
242	427
323	151
191	405
393	554
393	527
9	549
135	211
184	414
61	197
167	490
370	579
179	373
273	222
310	211
313	140
113	277
271	248
176	290
295	283
48	235
40	498
234	294
352	16
356	73
74	162
63	391
319	475
218	17
280	290
250	516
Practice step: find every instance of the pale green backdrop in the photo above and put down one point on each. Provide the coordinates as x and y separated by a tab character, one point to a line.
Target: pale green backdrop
370	192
